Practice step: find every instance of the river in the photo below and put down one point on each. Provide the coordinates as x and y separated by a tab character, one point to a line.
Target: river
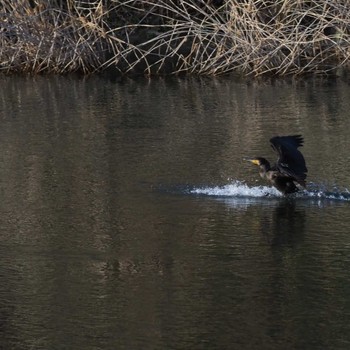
128	219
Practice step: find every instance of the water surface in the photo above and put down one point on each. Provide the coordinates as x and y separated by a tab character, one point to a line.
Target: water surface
128	219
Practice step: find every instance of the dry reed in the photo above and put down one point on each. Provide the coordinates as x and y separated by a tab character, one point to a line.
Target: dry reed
253	37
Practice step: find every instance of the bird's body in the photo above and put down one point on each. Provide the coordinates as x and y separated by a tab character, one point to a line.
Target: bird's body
290	166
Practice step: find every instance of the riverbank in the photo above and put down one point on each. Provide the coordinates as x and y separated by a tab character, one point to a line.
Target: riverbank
207	37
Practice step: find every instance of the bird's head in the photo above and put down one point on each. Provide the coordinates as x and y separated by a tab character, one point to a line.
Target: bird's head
262	163
258	161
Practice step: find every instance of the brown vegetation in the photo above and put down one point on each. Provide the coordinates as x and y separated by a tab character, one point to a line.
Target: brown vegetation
254	37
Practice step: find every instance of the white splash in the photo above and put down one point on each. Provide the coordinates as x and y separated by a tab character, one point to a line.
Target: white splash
237	189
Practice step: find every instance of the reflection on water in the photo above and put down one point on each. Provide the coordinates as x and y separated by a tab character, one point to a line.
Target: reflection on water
129	221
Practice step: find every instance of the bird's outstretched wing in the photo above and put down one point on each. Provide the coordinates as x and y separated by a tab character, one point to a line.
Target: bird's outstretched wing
290	161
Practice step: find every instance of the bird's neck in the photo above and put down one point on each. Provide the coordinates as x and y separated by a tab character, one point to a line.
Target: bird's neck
264	168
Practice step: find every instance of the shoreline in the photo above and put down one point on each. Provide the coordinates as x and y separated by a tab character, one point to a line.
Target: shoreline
143	38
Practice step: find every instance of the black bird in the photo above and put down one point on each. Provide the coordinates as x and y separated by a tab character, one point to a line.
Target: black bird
290	166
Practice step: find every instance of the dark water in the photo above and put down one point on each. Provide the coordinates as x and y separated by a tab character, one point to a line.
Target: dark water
129	221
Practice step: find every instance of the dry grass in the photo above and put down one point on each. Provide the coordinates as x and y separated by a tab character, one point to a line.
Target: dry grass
48	39
253	37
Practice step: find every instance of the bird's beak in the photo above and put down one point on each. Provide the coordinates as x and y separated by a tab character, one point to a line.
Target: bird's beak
252	160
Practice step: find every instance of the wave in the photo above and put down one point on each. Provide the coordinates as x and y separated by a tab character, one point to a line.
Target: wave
238	189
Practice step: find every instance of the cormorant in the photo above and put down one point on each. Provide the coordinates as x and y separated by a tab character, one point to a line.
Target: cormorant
290	166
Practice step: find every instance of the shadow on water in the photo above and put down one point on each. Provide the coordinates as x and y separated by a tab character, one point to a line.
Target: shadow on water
280	219
287	224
